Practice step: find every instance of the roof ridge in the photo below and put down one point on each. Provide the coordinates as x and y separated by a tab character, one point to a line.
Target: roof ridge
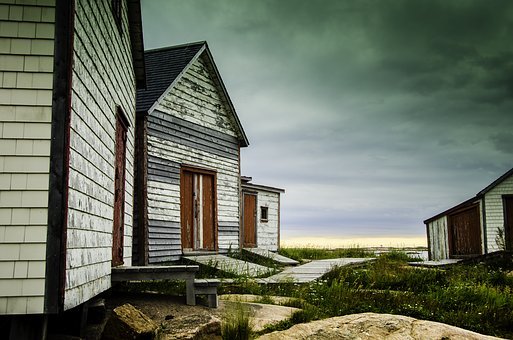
167	48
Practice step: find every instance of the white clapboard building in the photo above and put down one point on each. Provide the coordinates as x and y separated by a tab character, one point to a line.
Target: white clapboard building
480	225
260	216
188	157
68	74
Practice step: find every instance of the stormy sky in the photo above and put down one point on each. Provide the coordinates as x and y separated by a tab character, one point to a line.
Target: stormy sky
373	115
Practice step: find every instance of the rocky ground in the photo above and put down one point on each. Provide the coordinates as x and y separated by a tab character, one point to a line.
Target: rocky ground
374	326
176	320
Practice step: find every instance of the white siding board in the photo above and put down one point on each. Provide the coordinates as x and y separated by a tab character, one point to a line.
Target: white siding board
438	239
26	64
102	78
495	211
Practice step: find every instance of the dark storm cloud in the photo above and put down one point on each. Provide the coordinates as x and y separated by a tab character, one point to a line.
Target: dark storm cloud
372	114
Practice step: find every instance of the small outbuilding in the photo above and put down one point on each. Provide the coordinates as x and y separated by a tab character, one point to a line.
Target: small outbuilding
480	225
261	216
187	158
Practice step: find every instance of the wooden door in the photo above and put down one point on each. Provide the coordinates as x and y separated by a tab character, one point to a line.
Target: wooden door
198	210
508	222
250	212
465	232
119	192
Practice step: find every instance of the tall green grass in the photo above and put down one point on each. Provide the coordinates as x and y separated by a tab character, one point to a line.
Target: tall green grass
474	297
236	322
310	253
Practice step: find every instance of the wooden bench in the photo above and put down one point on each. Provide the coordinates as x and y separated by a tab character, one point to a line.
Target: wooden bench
157	273
208	287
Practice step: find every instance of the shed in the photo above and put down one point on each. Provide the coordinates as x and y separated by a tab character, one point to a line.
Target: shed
260	216
68	72
188	157
479	225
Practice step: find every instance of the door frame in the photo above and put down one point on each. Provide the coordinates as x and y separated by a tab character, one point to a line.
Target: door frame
202	171
243	233
118	221
508	237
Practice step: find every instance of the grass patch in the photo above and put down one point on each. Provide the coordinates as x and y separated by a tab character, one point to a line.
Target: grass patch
236	323
307	253
474	297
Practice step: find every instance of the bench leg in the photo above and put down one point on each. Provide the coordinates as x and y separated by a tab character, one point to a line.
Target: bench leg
191	295
213	301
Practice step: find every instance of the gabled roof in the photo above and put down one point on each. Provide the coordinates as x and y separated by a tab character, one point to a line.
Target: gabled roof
165	66
472	200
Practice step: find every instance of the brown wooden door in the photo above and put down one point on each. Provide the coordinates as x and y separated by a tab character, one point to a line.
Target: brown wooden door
198	210
119	192
508	222
250	212
465	232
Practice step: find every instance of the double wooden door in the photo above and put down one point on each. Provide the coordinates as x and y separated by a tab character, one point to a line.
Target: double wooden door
465	232
198	210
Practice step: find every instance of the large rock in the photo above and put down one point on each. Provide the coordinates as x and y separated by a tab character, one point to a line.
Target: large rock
374	326
127	322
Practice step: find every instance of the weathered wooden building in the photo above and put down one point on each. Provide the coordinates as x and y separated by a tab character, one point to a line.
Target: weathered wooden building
188	157
480	225
261	216
68	75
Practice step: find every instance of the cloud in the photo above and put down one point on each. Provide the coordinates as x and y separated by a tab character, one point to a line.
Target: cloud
373	115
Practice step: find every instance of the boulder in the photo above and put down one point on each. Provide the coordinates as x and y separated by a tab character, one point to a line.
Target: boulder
374	326
127	322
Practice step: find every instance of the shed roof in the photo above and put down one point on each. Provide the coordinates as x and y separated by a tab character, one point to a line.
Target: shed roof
472	200
165	66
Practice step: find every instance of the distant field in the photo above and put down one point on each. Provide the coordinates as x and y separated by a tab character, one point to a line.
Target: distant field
354	242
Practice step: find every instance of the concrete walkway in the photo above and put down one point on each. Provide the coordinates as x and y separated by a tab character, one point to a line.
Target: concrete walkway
280	259
231	265
312	270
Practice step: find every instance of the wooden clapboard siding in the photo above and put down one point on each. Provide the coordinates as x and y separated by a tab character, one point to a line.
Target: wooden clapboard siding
191	126
494	218
268	232
438	239
102	80
26	75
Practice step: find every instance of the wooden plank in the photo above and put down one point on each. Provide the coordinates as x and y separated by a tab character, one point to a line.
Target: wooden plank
249	220
186	208
209	230
465	232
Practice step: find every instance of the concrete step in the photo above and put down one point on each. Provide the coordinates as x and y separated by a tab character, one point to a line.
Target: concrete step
280	259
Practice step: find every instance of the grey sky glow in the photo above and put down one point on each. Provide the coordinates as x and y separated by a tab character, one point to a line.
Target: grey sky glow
373	115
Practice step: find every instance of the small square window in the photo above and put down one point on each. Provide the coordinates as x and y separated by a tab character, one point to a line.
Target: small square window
263	214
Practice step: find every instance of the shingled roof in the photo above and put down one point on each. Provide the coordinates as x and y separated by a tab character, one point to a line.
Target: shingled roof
163	65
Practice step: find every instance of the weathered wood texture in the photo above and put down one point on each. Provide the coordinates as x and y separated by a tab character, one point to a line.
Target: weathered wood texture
438	239
249	238
268	231
102	79
191	126
26	75
494	215
464	230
